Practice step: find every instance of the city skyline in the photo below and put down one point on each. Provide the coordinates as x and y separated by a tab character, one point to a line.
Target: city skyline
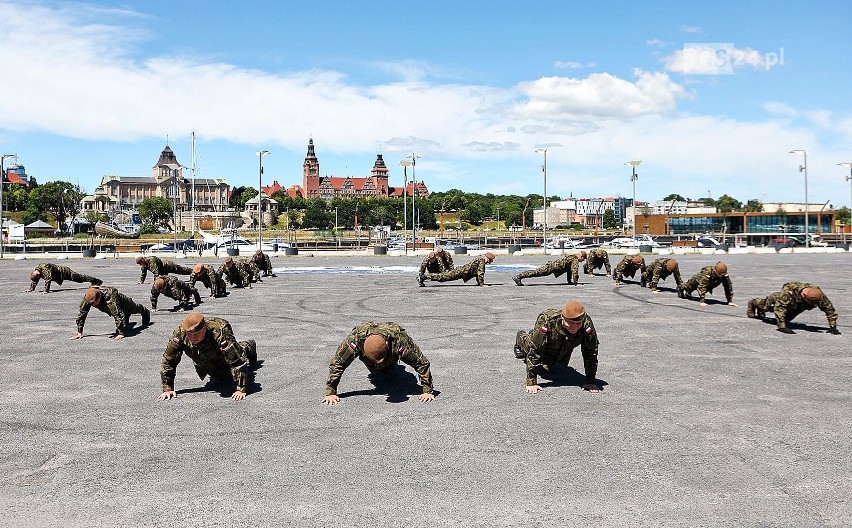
712	98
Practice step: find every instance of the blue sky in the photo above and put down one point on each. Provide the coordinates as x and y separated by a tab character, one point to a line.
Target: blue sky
710	96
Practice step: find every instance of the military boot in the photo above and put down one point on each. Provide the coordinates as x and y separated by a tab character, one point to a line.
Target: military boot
420	279
197	297
517	279
97	282
146	316
750	310
519	351
251	350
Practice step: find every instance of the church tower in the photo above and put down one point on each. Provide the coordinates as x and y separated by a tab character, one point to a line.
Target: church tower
380	176
310	173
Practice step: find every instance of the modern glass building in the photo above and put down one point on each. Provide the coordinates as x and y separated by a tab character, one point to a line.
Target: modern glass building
738	223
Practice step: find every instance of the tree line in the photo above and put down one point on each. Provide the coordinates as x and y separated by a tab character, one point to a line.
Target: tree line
60	201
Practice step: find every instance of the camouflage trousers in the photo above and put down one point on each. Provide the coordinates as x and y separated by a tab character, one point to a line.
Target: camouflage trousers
248	353
767	304
555	269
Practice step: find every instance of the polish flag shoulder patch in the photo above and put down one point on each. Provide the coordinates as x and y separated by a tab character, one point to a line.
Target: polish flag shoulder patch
352	346
589	330
543	330
176	340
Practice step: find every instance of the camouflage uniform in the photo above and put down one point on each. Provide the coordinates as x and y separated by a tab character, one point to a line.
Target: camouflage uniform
400	348
240	275
161	267
705	280
177	290
788	303
218	354
53	273
628	268
439	263
549	344
556	267
212	279
596	259
116	304
263	264
657	271
474	268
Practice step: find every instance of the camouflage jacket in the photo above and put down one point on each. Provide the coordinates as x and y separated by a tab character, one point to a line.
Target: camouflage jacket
175	289
597	257
264	264
50	273
211	278
217	352
161	267
658	271
551	344
112	303
400	348
627	267
240	274
789	304
437	263
706	280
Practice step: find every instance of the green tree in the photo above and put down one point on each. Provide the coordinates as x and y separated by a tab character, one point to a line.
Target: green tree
842	215
16	197
156	210
753	206
675	197
247	194
609	219
316	216
728	204
234	198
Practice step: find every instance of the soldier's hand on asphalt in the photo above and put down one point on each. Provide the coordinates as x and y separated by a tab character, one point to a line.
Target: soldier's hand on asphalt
785	330
78	335
834	330
655	292
426	397
167	395
591	387
118	336
237	395
331	399
702	303
733	304
532	389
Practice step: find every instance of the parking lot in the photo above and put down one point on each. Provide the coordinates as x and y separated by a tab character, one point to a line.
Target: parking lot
706	417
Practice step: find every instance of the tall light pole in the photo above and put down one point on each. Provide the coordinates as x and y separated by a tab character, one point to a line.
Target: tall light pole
849	179
2	183
804	168
260	155
544	202
633	178
405	163
411	159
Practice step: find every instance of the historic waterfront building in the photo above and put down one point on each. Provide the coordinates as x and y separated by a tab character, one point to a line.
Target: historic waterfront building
328	187
123	194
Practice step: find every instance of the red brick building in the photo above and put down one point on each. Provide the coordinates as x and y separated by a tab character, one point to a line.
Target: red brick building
328	187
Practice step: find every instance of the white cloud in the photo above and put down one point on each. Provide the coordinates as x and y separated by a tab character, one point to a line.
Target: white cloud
600	95
691	29
659	43
568	65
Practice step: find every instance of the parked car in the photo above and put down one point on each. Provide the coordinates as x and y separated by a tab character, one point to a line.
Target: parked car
243	245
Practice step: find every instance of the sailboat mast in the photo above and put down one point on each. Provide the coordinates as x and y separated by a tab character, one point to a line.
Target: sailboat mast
193	183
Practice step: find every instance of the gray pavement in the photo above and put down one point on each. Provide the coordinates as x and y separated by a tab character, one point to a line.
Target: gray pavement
707	418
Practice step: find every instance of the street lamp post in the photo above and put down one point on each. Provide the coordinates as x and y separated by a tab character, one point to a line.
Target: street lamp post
405	163
804	168
260	155
2	183
849	179
411	159
633	178
544	202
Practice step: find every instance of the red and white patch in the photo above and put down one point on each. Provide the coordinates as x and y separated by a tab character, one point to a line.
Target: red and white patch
223	344
543	330
176	339
589	330
353	346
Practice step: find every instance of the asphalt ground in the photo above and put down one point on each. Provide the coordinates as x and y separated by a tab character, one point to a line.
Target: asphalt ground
706	417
